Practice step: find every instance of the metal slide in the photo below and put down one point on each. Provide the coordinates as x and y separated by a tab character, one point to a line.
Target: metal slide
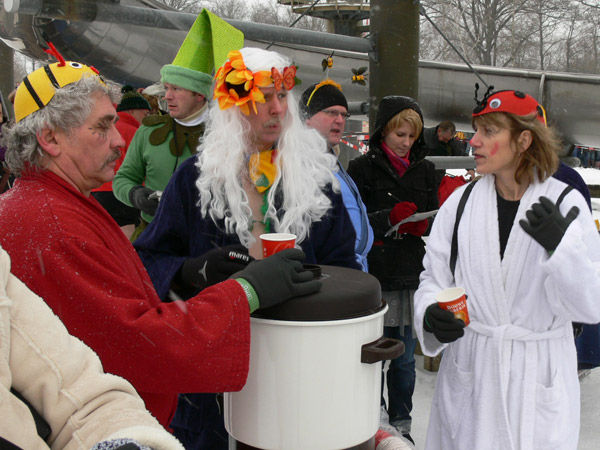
129	41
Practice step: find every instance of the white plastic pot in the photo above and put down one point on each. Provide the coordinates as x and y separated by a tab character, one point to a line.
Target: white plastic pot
307	387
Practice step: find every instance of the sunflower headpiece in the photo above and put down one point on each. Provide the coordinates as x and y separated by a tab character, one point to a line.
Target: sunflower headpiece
236	85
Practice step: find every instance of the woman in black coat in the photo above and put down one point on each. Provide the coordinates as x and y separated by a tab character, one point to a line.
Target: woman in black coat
395	181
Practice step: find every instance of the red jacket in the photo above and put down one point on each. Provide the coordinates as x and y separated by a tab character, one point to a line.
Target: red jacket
127	126
69	251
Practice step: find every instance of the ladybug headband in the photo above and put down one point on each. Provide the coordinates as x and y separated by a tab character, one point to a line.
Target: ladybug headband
39	87
513	102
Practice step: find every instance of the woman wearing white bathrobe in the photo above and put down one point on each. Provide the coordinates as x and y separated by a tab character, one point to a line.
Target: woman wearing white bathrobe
511	381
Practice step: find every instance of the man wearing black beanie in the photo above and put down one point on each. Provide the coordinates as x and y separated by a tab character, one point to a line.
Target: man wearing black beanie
324	108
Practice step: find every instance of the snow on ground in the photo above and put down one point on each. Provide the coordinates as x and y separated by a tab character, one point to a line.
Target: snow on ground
589	436
591	176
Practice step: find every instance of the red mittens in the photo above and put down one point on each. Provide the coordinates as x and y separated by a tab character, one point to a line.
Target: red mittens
401	211
415	228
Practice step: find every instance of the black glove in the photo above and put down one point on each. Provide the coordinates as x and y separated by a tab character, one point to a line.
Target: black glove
443	324
279	277
577	329
139	198
546	224
214	266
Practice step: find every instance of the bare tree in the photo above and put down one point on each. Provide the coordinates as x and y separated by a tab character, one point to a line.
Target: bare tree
533	34
182	5
480	28
536	34
267	12
228	9
589	31
305	22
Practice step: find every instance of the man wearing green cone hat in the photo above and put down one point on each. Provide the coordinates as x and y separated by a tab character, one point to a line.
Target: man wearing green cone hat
162	143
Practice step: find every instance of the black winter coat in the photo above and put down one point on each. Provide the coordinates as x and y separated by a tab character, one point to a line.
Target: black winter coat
395	261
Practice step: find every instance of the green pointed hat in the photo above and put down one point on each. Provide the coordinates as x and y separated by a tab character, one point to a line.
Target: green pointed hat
204	48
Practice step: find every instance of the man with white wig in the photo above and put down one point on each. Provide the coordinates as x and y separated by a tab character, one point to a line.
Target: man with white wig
259	169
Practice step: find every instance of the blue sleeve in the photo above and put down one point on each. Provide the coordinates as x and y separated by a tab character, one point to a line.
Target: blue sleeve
333	237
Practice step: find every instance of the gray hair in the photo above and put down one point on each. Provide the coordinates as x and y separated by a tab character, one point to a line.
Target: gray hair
68	109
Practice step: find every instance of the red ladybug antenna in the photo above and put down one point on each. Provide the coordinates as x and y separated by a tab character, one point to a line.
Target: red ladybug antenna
52	51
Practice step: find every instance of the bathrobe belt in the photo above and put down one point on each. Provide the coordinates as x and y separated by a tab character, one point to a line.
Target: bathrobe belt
501	337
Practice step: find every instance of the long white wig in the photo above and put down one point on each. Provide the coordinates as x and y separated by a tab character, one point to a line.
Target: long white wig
305	166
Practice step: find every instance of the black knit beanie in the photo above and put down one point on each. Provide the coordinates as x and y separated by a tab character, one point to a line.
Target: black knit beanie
320	96
388	107
132	100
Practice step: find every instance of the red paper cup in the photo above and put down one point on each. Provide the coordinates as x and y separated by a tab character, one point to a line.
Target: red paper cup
454	300
275	242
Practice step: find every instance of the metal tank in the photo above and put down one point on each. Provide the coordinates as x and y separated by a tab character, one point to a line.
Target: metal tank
129	41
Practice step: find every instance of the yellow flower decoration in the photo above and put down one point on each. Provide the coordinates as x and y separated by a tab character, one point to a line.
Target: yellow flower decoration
236	85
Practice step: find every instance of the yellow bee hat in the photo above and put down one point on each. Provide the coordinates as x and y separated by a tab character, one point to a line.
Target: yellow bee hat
38	88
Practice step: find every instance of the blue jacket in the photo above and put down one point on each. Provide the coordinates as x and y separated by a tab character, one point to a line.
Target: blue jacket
358	215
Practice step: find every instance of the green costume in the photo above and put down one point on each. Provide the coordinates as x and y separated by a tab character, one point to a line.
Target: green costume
154	154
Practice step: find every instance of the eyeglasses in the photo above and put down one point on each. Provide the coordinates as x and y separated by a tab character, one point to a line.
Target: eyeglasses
334	114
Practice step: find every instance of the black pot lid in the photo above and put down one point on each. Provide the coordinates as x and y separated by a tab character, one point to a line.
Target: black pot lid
345	294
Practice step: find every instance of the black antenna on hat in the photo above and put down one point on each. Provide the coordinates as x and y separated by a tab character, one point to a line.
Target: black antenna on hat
481	103
487	94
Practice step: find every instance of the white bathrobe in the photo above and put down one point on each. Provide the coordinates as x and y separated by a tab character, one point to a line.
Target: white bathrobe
510	382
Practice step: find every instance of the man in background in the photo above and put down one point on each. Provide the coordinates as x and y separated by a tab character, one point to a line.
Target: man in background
164	142
325	108
441	141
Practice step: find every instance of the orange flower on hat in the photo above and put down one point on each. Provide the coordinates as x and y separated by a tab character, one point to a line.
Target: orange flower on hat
236	85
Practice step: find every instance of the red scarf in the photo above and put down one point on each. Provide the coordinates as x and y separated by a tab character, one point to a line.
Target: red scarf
399	163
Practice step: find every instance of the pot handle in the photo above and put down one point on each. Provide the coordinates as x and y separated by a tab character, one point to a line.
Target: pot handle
381	350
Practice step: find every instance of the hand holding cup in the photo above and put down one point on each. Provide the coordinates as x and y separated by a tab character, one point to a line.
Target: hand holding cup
454	300
448	317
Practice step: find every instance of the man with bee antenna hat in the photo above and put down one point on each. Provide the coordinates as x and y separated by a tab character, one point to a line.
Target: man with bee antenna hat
67	249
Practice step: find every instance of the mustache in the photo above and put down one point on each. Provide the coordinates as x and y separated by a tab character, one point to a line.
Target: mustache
271	122
116	154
